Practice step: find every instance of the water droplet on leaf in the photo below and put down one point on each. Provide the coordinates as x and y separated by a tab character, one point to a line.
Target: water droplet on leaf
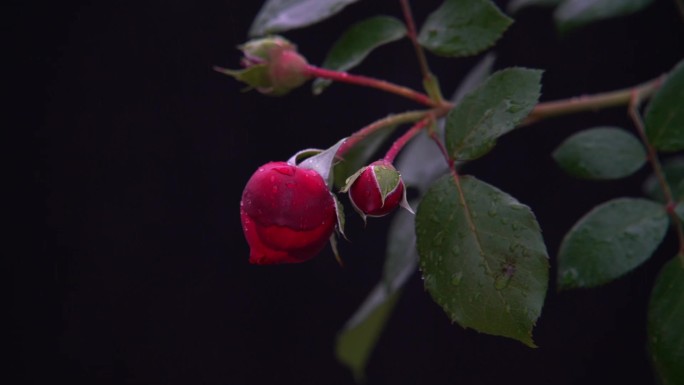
502	281
456	278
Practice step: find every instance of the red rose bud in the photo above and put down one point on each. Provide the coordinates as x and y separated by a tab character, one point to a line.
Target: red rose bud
288	214
376	190
273	66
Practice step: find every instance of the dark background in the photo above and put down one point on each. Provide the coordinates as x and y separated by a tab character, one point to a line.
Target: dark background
132	267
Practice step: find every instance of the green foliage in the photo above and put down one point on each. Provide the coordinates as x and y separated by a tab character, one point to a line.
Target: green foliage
666	321
420	165
356	341
516	5
402	256
665	116
421	162
601	153
357	43
480	251
463	27
610	241
673	169
572	14
482	257
490	111
284	15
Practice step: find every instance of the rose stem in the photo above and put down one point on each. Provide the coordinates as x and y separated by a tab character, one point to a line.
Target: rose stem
370	82
652	157
404	139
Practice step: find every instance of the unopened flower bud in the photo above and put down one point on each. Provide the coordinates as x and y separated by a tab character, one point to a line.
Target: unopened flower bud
288	214
273	66
376	190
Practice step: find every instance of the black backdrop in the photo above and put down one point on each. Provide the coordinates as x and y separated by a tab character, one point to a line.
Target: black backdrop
133	268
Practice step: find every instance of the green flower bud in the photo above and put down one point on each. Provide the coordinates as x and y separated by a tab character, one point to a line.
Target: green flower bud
273	66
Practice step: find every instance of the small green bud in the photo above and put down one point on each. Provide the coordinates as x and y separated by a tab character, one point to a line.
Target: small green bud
273	66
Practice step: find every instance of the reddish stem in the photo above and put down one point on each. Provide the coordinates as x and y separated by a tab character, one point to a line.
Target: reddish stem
652	157
366	81
355	138
411	32
405	138
443	150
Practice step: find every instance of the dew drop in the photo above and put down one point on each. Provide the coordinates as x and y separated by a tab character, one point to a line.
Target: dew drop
502	281
491	212
456	278
514	107
513	248
570	275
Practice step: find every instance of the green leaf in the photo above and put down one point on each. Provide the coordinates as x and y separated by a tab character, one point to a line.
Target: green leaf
482	256
673	169
474	77
665	321
610	241
490	111
665	115
601	153
572	14
421	162
463	27
357	43
402	256
356	342
283	15
516	5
